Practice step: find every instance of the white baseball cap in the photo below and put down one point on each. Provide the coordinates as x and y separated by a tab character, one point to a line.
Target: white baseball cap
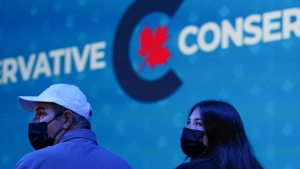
66	95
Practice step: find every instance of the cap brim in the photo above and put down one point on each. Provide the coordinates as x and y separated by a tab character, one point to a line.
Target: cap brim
28	102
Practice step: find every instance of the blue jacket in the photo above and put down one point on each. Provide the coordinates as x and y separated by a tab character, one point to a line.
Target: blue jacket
76	149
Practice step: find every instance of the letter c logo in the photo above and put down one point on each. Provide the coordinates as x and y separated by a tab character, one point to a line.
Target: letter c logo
134	86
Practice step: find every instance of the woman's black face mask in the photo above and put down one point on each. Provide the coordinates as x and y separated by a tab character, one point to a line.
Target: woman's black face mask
192	142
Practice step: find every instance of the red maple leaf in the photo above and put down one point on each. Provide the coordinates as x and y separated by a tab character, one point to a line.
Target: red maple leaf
151	47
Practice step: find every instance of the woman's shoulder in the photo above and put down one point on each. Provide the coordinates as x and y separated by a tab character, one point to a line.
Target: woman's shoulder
211	162
198	164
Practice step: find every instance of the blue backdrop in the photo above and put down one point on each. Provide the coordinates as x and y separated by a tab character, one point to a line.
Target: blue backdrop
243	52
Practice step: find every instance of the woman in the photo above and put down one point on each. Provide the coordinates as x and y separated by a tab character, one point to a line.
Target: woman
215	138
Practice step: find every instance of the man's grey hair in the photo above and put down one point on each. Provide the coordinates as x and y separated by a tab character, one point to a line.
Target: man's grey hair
78	120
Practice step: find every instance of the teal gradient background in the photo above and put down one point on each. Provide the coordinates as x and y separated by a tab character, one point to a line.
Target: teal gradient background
261	81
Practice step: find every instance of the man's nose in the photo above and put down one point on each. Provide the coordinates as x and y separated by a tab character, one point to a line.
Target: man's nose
35	120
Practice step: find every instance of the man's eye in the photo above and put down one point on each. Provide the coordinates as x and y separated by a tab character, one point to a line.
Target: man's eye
42	114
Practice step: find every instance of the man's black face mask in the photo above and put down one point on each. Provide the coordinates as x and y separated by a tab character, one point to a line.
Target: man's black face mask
38	135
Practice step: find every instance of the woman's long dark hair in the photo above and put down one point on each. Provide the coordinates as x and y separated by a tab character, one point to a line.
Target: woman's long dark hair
226	134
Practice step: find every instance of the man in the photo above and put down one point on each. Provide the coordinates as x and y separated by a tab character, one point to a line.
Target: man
61	132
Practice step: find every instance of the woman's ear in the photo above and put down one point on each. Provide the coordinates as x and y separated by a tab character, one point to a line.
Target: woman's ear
68	119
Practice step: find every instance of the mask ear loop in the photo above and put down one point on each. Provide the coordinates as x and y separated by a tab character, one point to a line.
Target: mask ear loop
59	130
62	128
55	117
52	120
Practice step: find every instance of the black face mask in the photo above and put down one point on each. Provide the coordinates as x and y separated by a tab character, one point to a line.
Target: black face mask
192	142
38	135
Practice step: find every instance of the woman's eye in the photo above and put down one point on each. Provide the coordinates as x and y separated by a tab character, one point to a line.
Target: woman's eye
199	124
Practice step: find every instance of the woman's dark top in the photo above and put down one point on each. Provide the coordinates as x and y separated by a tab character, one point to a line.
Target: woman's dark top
212	162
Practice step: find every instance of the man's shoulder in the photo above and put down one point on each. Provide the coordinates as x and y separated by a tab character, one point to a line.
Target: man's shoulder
37	153
68	151
108	158
31	159
104	153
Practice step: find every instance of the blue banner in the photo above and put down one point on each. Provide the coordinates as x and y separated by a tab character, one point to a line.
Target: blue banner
143	64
